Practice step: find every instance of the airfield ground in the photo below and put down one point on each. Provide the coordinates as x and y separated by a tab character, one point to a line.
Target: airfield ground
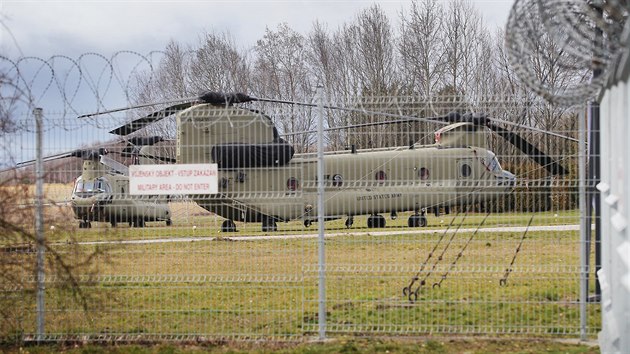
342	345
265	287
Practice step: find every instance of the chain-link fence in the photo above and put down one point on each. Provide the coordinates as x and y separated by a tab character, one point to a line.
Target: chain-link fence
430	193
435	224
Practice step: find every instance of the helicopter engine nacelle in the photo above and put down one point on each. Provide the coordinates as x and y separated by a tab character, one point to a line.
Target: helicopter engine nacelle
230	136
462	135
92	169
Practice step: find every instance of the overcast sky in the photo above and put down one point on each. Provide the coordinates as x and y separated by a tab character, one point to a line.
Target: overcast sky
61	27
47	28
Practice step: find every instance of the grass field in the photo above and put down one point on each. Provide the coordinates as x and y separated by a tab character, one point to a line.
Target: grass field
191	220
217	287
343	345
268	289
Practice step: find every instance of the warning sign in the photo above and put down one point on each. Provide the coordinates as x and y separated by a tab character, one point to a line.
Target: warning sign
173	179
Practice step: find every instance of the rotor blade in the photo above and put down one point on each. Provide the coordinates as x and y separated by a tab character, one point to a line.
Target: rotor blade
527	148
401	117
219	98
81	153
360	125
161	158
140	123
45	159
153	157
115	165
144	140
216	98
534	129
137	106
130	150
482	119
227	99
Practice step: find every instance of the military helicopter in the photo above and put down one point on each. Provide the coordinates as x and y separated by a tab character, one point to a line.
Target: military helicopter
261	179
101	192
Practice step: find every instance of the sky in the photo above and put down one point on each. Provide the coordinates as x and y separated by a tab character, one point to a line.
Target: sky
50	27
47	28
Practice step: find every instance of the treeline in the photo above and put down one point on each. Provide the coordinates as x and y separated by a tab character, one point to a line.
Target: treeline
439	57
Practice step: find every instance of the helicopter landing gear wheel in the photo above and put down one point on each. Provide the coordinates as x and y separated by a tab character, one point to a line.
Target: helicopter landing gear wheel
228	226
84	224
269	225
169	222
349	222
376	221
308	223
417	221
139	222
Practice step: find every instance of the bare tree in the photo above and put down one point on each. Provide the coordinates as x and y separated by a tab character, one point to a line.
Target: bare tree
9	96
508	82
483	78
462	31
281	71
218	65
18	241
171	75
374	40
421	47
368	46
168	81
555	68
421	65
327	62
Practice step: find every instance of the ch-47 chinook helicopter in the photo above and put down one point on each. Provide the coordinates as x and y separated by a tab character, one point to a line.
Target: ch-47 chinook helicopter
261	179
101	192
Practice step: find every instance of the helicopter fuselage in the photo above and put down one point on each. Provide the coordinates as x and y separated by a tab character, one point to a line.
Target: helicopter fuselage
365	182
260	179
106	199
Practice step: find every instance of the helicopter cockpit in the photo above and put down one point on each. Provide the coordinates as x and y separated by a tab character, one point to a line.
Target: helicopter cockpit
92	187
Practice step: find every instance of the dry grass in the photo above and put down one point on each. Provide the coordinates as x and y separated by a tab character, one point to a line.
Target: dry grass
217	287
269	288
53	192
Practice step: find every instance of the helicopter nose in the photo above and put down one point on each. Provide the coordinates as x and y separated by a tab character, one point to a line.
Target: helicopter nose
81	205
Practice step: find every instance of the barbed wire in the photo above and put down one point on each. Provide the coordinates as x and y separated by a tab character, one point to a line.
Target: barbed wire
563	49
66	87
91	81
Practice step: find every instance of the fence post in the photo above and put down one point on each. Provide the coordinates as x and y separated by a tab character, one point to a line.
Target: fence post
585	225
39	221
321	244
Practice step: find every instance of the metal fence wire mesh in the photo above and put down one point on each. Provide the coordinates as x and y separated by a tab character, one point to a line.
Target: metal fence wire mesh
435	223
463	208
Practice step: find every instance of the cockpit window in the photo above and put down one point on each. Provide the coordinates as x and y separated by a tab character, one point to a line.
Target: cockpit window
94	186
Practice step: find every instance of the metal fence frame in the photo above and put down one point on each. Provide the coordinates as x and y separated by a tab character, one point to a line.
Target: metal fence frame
614	276
327	300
